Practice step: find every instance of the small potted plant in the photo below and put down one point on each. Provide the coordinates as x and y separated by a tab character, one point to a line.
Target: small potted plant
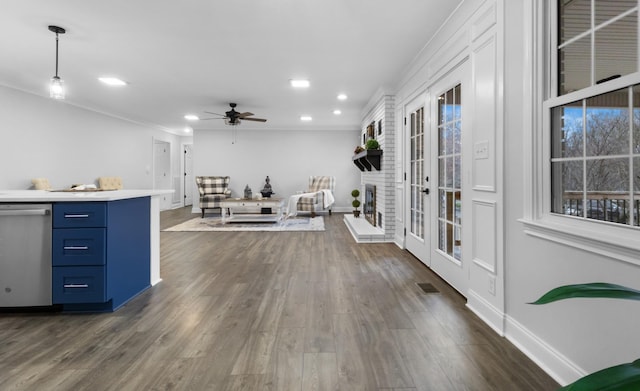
355	193
372	144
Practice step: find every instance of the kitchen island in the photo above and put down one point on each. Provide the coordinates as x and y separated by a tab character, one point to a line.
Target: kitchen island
105	246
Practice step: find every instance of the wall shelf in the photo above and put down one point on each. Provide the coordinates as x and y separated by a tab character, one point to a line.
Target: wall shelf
368	159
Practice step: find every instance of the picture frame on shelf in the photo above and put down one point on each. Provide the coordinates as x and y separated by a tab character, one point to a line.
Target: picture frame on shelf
371	132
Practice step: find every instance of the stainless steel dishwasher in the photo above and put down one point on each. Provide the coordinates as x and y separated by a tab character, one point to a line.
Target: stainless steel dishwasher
25	255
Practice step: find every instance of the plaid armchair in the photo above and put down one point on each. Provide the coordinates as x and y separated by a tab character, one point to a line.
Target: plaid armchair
315	203
212	189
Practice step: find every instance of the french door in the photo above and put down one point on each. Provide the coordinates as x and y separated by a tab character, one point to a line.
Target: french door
417	205
450	128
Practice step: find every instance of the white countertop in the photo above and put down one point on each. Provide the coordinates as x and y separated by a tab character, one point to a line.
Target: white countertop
65	196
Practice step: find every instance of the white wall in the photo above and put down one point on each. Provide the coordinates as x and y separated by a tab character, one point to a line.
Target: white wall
287	157
42	137
572	337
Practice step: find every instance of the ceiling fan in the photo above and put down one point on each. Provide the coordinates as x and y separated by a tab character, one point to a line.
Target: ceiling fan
232	117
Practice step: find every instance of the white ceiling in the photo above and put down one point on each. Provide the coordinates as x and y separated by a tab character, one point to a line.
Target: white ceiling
189	56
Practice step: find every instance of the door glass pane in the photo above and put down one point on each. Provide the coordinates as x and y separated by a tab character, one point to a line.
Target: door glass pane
457	103
457	213
450	174
456	172
457	140
442	140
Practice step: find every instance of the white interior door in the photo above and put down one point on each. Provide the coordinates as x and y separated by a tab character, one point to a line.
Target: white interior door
449	114
162	171
188	183
417	158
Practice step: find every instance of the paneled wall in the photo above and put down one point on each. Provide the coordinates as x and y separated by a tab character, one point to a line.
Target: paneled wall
500	45
486	289
470	43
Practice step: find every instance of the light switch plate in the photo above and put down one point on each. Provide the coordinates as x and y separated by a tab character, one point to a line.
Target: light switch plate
481	150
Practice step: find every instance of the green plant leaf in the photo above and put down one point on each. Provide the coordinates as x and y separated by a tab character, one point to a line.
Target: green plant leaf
625	377
596	289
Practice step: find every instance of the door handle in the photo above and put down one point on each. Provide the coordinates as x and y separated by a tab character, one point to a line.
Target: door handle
426	191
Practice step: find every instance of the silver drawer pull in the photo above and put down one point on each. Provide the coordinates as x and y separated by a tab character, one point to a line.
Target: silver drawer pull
76	216
76	247
76	285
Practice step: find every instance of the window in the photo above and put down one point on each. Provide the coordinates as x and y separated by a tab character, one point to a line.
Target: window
595	119
450	171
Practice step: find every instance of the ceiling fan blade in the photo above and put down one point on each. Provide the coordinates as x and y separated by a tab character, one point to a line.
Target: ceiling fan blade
206	119
245	114
255	119
209	112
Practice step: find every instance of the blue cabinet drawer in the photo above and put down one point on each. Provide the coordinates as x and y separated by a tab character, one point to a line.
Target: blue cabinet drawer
79	214
79	246
79	284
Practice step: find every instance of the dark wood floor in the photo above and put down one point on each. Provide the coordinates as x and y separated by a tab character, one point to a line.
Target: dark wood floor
270	311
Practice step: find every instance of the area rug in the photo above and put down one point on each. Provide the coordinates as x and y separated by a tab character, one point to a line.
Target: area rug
214	224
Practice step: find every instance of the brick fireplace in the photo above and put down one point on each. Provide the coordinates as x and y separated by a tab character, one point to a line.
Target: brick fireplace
378	186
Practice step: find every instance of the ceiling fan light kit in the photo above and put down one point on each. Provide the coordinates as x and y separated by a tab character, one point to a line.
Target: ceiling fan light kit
56	86
234	118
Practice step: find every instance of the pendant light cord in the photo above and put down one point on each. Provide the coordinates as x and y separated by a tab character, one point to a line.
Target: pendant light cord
56	54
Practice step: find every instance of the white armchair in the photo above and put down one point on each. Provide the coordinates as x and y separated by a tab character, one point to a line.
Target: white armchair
319	196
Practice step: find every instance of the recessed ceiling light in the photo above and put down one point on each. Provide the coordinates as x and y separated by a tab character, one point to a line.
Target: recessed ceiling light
187	129
342	97
337	112
299	83
112	81
191	117
305	118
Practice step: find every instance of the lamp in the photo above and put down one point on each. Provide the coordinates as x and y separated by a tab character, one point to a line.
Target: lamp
56	86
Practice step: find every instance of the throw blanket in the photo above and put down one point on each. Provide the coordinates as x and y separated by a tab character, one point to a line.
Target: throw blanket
328	200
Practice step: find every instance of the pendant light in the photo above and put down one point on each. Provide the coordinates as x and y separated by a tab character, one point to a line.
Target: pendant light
56	87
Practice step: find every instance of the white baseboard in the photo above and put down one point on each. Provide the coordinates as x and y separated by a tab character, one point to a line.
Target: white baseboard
491	315
560	368
399	241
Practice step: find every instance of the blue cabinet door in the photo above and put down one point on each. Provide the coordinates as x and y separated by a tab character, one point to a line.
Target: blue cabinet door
79	284
79	246
80	214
